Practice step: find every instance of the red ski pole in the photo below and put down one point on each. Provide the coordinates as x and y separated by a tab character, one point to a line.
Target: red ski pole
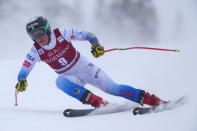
16	95
146	48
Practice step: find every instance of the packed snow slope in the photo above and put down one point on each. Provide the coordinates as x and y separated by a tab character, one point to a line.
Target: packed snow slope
166	74
169	75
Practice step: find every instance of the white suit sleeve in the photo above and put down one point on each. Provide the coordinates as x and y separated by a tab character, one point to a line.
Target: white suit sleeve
71	34
31	59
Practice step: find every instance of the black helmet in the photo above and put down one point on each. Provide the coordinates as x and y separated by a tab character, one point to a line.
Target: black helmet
38	23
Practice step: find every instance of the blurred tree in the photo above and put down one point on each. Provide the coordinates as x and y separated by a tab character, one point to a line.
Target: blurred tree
135	16
62	11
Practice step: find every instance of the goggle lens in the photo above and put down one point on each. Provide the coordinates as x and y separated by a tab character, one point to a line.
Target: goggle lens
37	34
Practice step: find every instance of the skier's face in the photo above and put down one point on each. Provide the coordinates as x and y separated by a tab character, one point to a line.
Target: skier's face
40	37
43	40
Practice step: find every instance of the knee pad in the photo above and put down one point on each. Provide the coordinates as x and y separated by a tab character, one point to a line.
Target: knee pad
70	88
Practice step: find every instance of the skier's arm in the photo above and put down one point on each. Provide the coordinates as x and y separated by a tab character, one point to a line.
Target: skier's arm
30	61
71	34
97	49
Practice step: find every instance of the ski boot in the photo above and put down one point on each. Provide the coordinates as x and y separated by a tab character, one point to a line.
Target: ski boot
151	100
93	100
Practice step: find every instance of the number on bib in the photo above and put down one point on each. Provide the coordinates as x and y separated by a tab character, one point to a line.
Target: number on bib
62	61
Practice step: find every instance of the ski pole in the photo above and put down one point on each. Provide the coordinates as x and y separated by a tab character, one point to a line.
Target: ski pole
146	48
16	94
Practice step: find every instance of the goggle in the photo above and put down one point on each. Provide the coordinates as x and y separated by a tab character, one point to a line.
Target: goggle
38	33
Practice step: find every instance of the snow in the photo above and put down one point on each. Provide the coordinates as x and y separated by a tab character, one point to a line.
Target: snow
166	74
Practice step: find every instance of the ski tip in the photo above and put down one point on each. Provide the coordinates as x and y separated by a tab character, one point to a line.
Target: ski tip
135	112
140	111
67	112
77	112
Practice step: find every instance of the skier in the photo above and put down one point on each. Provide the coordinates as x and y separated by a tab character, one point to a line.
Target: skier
75	71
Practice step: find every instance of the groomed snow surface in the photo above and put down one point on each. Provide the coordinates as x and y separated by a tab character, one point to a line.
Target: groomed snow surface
169	75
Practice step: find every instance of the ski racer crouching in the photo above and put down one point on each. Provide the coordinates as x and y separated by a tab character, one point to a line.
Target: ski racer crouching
54	47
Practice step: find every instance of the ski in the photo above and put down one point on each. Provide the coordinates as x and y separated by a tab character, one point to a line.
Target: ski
143	110
115	108
161	107
108	109
77	112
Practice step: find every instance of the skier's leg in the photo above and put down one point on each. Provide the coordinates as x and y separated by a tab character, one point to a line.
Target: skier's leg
90	73
105	83
102	81
78	92
69	87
